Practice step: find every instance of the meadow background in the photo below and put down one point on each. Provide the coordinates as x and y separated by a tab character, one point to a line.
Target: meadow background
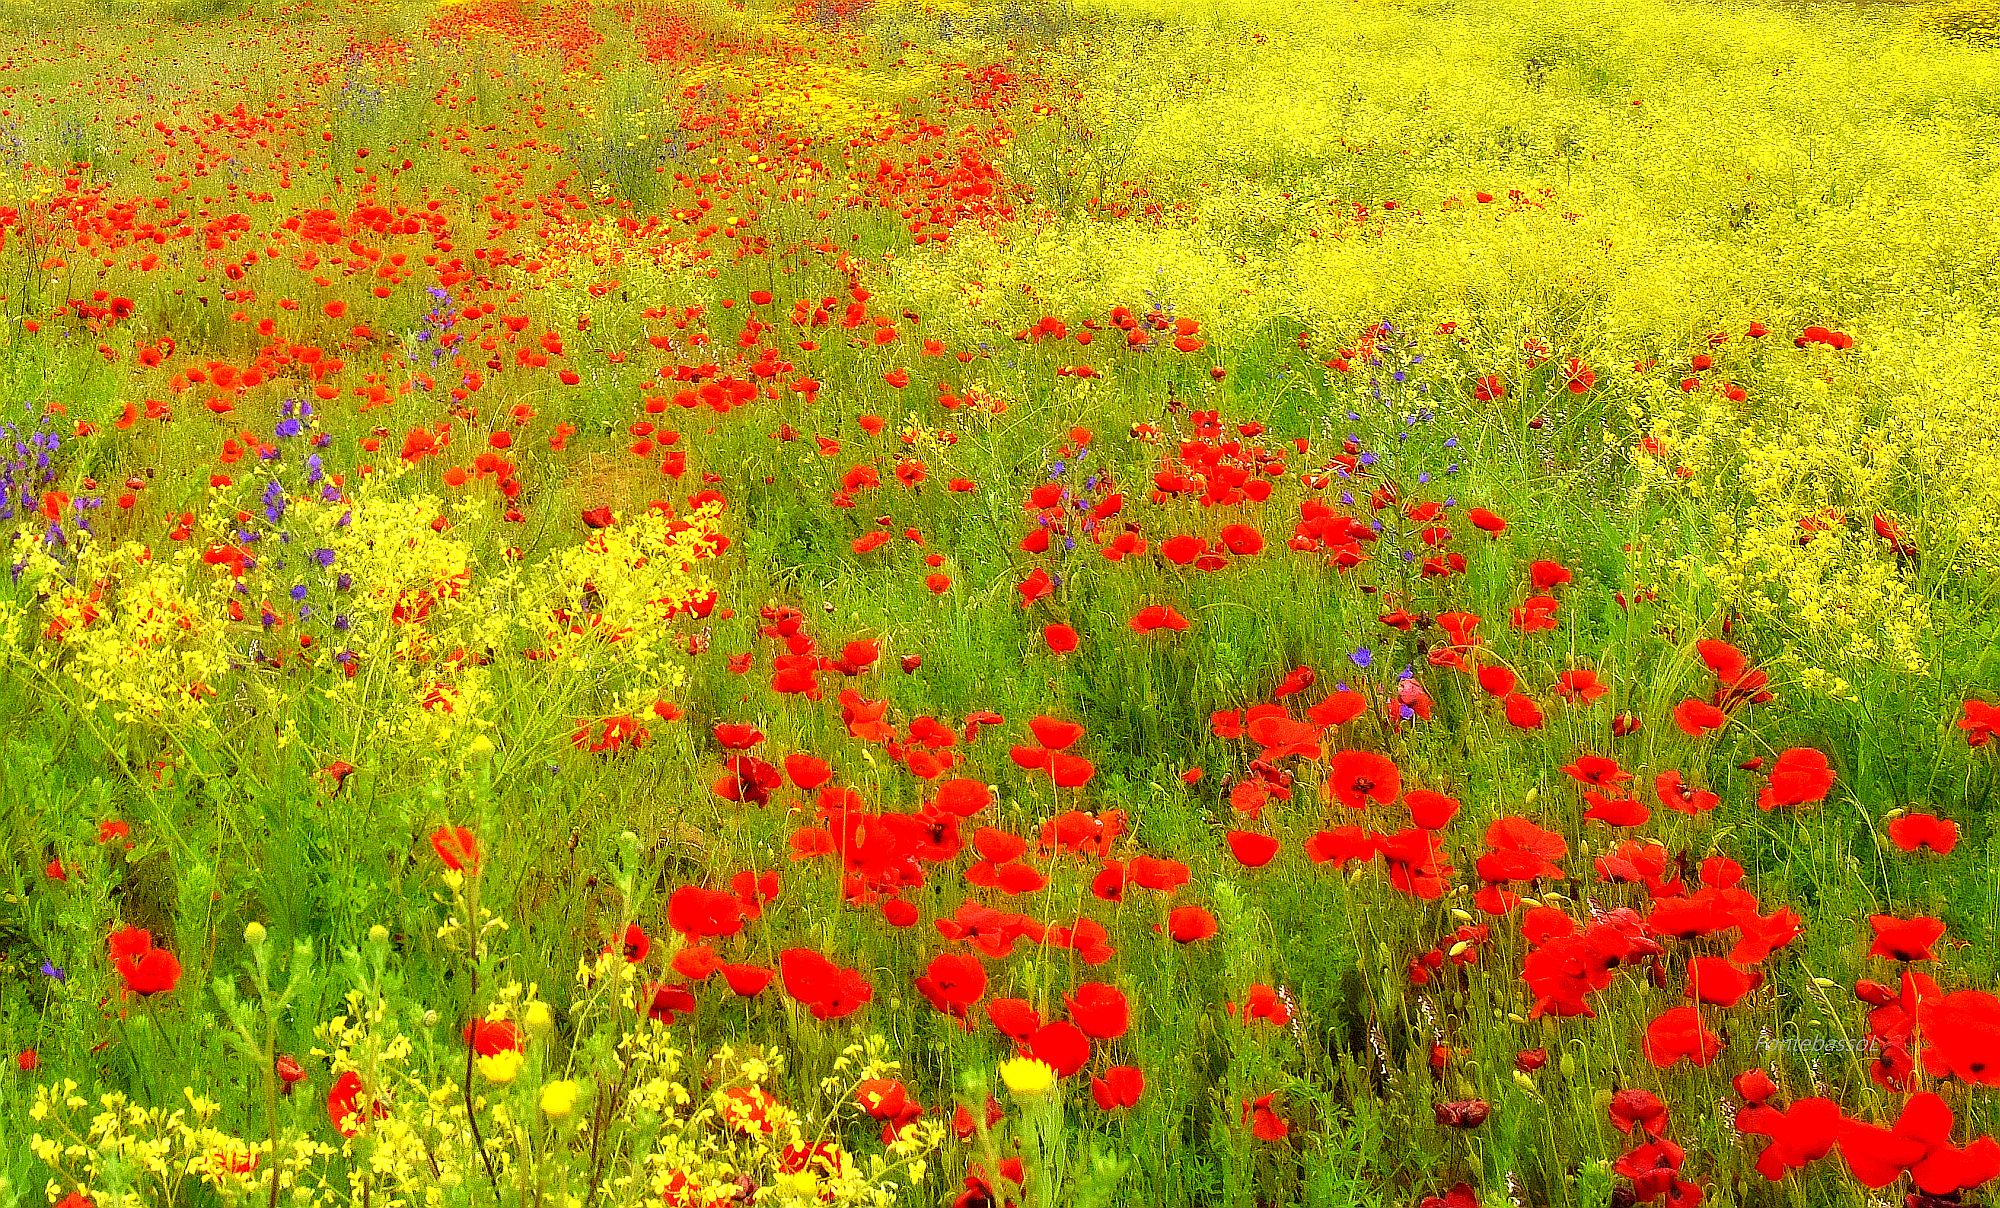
573	422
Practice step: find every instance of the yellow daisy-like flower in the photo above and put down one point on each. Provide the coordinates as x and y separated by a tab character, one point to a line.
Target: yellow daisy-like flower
502	1066
1026	1077
559	1099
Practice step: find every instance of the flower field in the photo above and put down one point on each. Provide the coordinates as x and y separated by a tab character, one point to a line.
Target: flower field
999	603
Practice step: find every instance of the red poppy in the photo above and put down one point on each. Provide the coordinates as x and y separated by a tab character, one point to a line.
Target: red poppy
1522	712
1120	1086
1358	777
832	992
1800	1135
1578	377
1241	539
1430	810
1190	924
698	913
154	971
1963	1034
954	983
1264	1121
636	944
1016	1018
1062	1046
1800	777
1676	794
1697	718
456	846
1715	981
343	1100
1463	1113
144	969
1342	846
746	981
490	1036
1638	1110
1923	832
1980	721
1905	939
1679	1033
1154	617
1099	1009
1251	849
1579	686
665	1002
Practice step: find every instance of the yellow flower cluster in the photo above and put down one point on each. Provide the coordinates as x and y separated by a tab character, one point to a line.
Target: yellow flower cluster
630	1123
119	628
607	606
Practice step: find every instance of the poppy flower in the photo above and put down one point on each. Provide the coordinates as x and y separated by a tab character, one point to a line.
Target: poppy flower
830	991
1100	1010
1015	1018
489	1036
1638	1111
1679	1034
1522	712
1676	794
1263	1119
1979	720
1536	614
1430	810
1061	639
456	846
698	913
1754	1085
343	1100
1800	1134
1715	981
1241	539
1923	832
1263	1003
665	1002
1190	924
1154	617
1037	586
1697	718
1062	1046
1120	1086
1463	1114
1963	1033
1905	939
153	971
1800	777
1579	686
953	983
1486	521
1461	1195
1578	377
1252	850
1358	777
1155	872
746	981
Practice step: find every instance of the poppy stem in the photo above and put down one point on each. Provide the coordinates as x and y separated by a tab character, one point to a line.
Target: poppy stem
471	1051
